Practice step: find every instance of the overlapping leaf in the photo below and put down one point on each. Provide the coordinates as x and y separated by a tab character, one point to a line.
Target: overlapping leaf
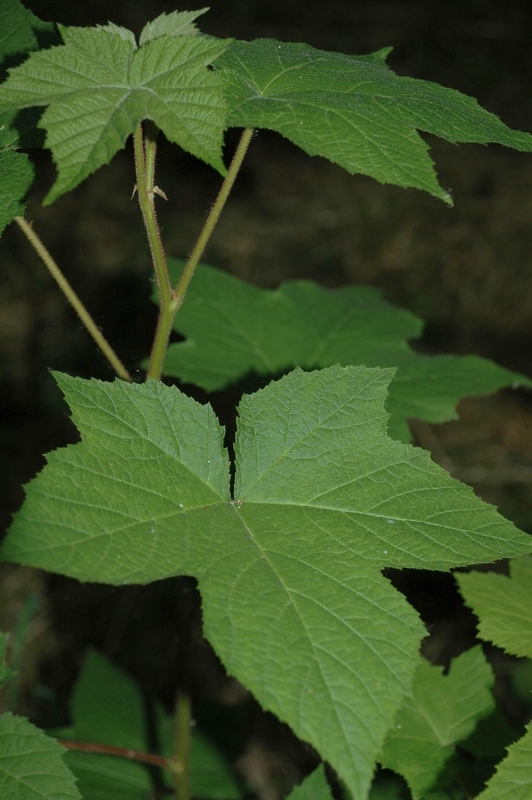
31	763
235	330
513	778
20	32
16	176
313	787
98	86
353	110
503	605
440	712
290	573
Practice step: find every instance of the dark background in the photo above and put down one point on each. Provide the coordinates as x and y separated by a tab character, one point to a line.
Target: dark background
464	270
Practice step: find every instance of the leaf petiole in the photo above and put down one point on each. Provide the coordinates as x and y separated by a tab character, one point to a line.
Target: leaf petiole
170	301
73	299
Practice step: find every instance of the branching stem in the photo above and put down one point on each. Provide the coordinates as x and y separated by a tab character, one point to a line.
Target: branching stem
73	299
171	300
144	147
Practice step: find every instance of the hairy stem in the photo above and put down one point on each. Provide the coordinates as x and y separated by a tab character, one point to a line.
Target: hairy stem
144	149
213	217
169	308
73	299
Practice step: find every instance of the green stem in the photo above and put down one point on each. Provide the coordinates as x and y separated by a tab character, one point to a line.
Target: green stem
169	308
73	299
144	150
182	729
150	153
213	217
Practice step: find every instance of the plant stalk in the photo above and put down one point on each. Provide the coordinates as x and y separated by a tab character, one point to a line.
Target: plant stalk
170	307
121	752
144	150
214	216
73	299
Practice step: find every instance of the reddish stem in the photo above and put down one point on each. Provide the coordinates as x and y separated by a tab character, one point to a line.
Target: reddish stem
122	752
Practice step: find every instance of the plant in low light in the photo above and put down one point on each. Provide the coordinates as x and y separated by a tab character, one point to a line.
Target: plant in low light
287	532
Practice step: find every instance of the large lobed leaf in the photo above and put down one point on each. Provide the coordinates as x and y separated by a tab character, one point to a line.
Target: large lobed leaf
234	330
294	601
99	85
353	109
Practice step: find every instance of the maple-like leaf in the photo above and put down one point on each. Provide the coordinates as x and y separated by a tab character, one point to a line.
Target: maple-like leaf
293	597
353	109
235	331
99	85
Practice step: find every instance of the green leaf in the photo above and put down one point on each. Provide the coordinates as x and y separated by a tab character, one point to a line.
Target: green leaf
235	330
521	681
503	605
176	23
31	763
294	601
210	774
108	708
513	778
313	787
440	712
102	777
16	177
353	110
97	87
20	32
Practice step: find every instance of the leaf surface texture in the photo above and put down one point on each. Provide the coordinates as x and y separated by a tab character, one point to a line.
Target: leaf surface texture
294	600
